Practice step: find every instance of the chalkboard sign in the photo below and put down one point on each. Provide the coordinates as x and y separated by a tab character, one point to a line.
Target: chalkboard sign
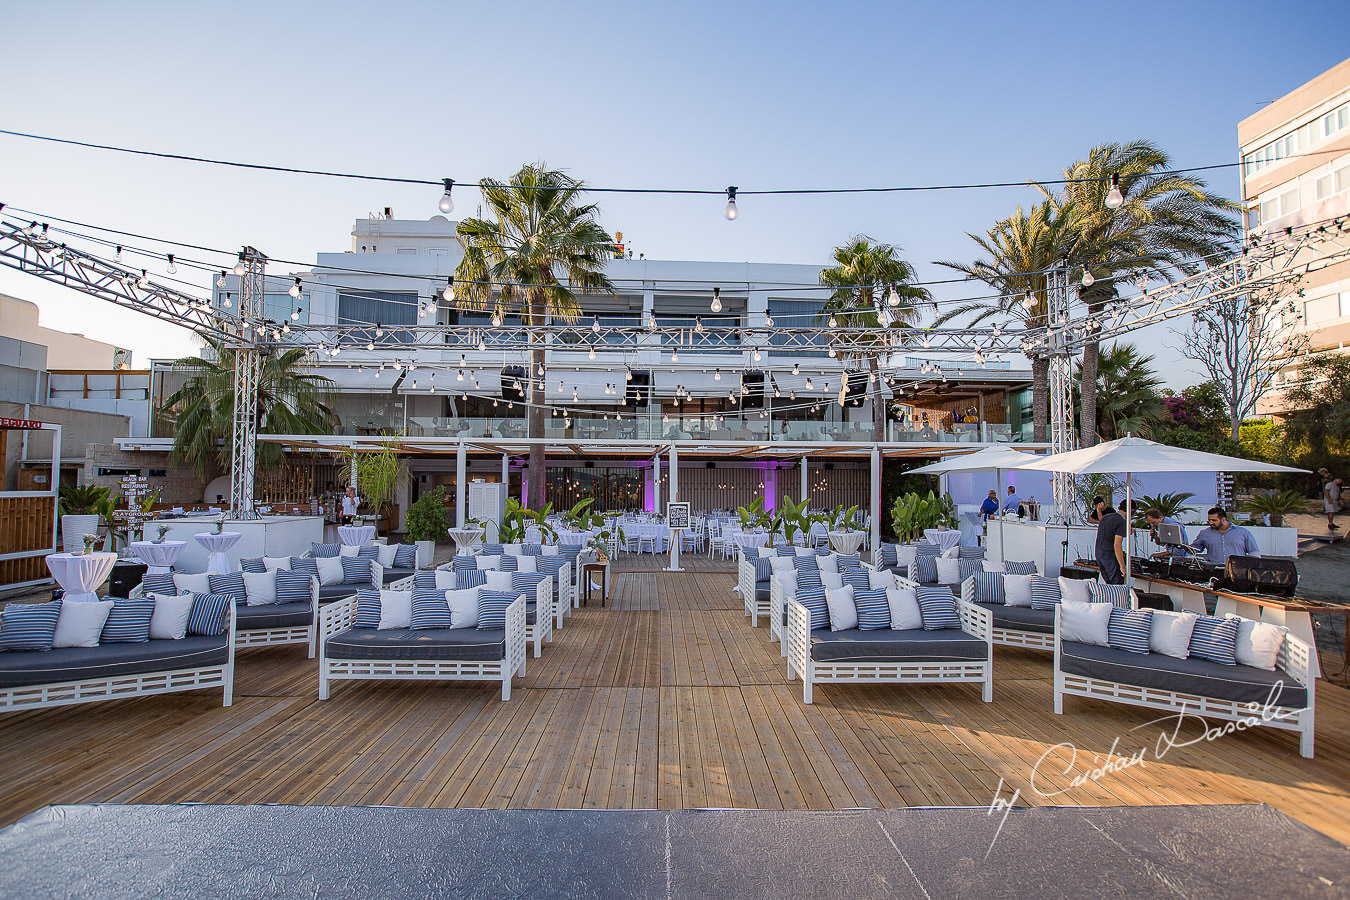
677	515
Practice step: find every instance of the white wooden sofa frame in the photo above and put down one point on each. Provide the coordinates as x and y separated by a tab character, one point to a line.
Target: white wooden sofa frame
754	608
119	687
974	621
1010	637
1294	659
543	627
340	616
284	634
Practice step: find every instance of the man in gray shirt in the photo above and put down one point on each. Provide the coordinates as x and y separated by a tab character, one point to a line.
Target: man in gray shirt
1223	539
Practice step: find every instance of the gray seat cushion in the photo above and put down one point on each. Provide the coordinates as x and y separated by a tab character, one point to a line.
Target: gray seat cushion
20	668
1021	618
461	644
1242	684
762	591
392	575
331	592
273	615
885	645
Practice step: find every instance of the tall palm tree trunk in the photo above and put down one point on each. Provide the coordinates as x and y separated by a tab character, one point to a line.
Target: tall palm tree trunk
538	394
1040	398
1088	389
875	399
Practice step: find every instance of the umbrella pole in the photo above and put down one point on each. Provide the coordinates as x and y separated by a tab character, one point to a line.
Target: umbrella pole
1002	545
1129	537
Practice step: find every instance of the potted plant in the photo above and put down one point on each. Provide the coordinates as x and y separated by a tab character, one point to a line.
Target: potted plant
912	513
796	518
517	519
756	517
427	524
378	474
79	507
1275	505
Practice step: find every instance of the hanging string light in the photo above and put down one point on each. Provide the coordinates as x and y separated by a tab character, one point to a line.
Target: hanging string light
716	305
239	267
294	291
449	292
893	298
172	269
730	212
1088	280
1114	198
447	205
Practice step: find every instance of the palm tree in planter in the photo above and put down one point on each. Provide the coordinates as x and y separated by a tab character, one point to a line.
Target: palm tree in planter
1130	388
873	289
292	399
378	474
539	247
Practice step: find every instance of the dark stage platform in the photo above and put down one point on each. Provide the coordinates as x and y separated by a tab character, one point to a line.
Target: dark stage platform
378	852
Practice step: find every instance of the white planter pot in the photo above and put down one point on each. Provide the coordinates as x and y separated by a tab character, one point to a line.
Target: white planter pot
73	530
426	552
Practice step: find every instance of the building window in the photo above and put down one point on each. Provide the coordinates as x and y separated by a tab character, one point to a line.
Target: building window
798	314
1322	187
1289	202
379	307
406	251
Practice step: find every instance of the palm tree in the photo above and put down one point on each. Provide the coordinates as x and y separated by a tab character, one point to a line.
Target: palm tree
1019	250
867	277
291	400
1168	224
540	233
1131	388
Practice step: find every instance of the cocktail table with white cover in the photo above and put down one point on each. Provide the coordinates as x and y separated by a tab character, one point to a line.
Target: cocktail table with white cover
570	539
216	545
846	541
158	555
80	575
356	535
946	539
466	539
746	539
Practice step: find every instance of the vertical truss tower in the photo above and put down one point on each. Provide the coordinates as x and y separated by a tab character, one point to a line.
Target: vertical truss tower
247	371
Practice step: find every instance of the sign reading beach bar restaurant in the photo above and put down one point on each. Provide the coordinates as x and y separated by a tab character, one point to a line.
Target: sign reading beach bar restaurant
20	423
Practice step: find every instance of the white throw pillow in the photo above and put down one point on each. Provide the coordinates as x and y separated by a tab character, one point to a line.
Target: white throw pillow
993	565
385	553
1258	643
832	580
527	564
80	624
843	614
463	606
787	585
347	550
169	621
904	554
191	584
261	587
511	549
949	571
330	569
880	579
804	551
905	614
779	565
445	580
498	580
488	562
951	552
272	563
1017	590
395	609
549	550
1075	589
828	563
1170	632
1084	622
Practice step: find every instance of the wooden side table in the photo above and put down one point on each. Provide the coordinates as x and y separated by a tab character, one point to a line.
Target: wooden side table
602	569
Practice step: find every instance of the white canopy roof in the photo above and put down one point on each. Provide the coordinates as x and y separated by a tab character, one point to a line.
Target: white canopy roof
989	459
1135	455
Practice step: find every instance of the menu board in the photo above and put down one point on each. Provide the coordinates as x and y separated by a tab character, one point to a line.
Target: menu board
677	515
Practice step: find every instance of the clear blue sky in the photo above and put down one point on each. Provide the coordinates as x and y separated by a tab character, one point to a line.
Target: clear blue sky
690	94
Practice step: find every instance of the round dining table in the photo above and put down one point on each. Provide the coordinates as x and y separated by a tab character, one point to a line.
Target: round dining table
158	555
846	541
571	539
745	539
80	575
945	538
466	539
217	544
356	535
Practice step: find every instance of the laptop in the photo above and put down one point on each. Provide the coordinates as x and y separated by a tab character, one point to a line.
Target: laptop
1170	535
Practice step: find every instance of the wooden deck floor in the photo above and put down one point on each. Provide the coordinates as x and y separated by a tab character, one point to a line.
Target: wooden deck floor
665	699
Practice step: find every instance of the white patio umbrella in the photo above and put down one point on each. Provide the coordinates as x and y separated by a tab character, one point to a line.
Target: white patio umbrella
990	459
1131	455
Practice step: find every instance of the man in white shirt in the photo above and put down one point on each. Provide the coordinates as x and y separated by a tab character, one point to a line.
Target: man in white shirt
350	503
1331	501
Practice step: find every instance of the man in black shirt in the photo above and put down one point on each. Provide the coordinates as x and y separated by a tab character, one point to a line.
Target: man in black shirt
1110	551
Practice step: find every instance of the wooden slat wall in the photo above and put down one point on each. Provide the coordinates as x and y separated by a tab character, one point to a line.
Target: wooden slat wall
727	488
25	524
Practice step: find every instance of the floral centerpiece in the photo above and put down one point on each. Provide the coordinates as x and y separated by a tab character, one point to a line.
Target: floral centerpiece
89	541
163	530
220	524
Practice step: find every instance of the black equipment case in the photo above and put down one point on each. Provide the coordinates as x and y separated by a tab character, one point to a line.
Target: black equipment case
1254	574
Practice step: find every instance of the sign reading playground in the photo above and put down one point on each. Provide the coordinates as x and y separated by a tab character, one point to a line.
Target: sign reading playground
20	423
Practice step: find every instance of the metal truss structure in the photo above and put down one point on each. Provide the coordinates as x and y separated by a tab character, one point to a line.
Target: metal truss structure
247	371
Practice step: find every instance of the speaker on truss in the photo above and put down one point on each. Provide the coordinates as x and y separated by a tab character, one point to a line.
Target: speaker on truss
511	376
753	398
639	389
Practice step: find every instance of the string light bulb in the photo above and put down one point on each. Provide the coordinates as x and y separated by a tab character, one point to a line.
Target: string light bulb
239	267
294	291
698	324
595	324
496	318
220	281
833	323
1028	301
295	316
796	369
893	298
716	305
717	375
144	281
172	269
449	292
768	321
1114	198
730	212
591	355
1087	280
447	205
118	257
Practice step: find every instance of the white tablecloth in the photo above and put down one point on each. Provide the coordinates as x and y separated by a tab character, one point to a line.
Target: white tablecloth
80	575
636	531
745	539
574	538
944	539
217	544
846	541
160	557
356	535
466	539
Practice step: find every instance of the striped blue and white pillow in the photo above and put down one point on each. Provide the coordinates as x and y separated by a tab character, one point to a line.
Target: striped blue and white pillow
491	549
989	587
429	610
129	622
925	569
355	570
318	550
1044	592
253	566
890	556
405	557
1117	594
510	563
305	566
463	563
527	583
32	626
874	611
923	548
848	560
159	584
232	584
293	587
1215	639
937	607
470	578
856	576
424	580
210	614
968	567
492	608
1019	568
964	552
763	568
813	598
1128	629
369	551
532	550
368	609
